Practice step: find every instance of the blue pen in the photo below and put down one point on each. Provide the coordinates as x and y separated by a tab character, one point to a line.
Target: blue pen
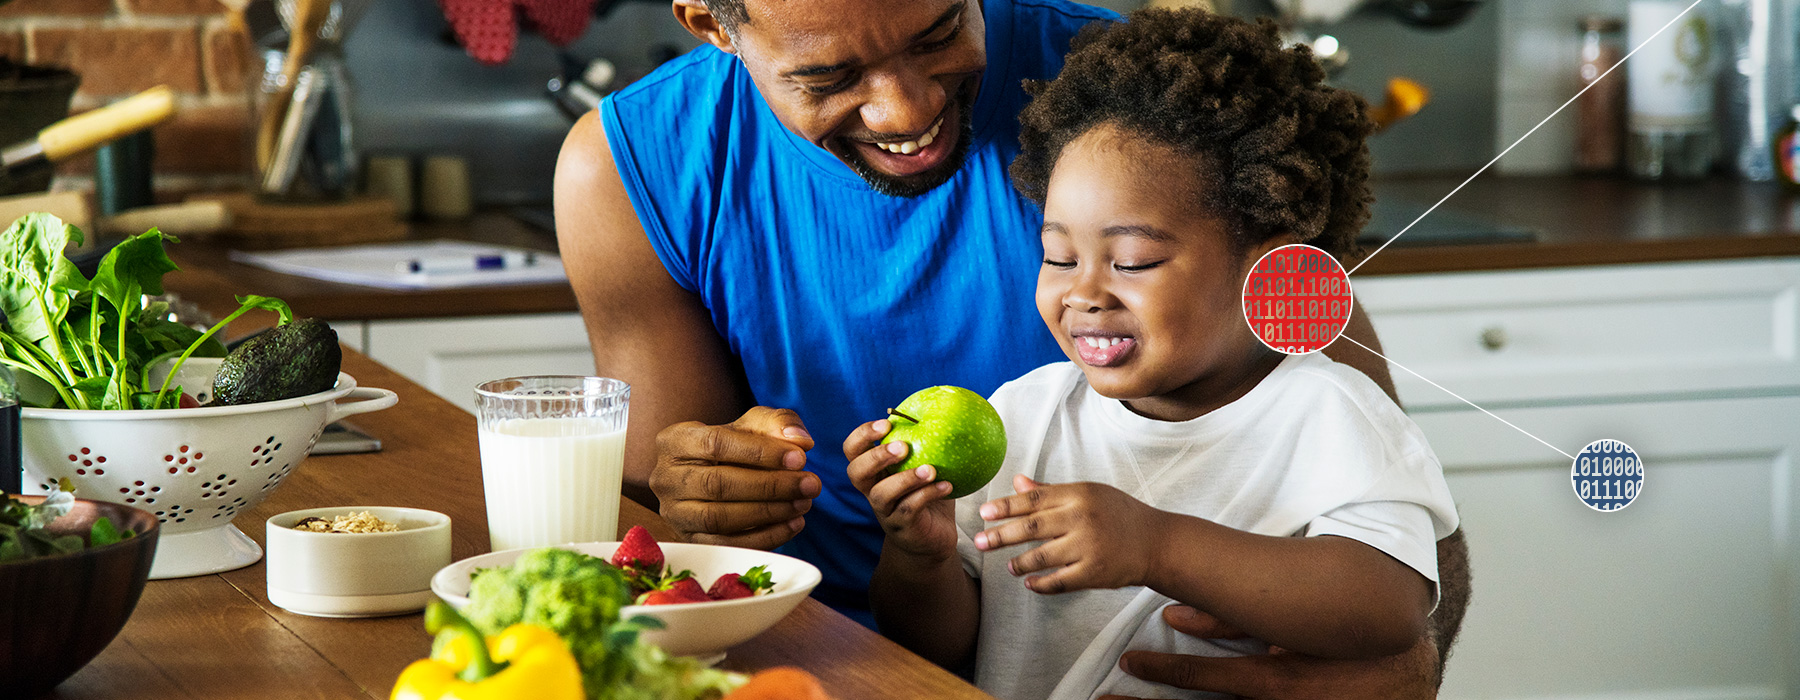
478	262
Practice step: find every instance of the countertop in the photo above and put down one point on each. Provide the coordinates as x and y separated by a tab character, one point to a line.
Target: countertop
210	278
1597	221
1579	221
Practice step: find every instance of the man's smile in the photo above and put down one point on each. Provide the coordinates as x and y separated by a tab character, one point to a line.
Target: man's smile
914	154
906	148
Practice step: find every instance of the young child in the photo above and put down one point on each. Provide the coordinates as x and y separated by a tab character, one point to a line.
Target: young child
1174	458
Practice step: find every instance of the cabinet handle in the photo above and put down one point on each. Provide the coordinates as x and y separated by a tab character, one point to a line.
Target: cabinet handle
1493	338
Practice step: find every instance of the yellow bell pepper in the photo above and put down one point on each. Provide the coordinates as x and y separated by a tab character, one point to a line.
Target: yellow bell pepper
523	661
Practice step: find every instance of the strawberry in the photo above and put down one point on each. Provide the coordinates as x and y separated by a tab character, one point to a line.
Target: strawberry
639	551
667	597
689	588
745	585
682	589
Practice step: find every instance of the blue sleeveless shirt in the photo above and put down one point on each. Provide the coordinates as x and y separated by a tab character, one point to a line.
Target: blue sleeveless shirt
840	301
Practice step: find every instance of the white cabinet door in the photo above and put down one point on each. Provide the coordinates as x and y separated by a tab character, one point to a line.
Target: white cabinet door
451	356
1690	592
1625	330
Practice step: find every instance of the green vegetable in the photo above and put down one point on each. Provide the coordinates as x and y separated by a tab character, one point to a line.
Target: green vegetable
295	359
24	532
579	598
103	533
94	341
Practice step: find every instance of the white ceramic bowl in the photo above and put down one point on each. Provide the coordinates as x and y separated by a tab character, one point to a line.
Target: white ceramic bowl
335	574
194	468
690	629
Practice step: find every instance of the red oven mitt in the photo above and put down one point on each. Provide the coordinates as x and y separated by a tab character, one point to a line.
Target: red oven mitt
488	31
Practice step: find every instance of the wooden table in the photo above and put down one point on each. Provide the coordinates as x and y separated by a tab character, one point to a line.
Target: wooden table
218	636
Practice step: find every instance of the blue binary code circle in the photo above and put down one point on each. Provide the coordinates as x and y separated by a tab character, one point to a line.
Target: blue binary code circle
1607	475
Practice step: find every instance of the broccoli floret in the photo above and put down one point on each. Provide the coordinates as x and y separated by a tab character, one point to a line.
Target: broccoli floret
573	594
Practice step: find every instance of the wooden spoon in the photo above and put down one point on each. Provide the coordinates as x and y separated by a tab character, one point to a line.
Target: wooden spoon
309	16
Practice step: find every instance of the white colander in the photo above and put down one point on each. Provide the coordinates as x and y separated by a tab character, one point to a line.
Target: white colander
195	468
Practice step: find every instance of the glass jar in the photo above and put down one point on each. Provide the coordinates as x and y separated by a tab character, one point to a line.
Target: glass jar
1600	112
305	148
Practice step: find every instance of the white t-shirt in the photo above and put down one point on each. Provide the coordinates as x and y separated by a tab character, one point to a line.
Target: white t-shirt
1316	448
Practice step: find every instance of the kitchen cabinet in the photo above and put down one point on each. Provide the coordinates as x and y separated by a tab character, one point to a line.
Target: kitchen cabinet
1693	590
1580	333
450	356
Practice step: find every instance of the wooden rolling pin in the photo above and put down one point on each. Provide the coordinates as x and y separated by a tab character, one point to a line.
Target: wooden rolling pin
192	218
77	134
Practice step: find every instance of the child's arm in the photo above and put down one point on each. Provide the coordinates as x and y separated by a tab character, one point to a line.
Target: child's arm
931	607
1324	596
921	596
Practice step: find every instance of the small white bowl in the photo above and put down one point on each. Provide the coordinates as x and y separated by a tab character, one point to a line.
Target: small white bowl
690	629
335	574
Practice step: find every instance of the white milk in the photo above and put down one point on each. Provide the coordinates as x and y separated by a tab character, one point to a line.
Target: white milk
551	481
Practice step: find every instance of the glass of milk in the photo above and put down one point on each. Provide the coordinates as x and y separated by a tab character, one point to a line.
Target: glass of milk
552	458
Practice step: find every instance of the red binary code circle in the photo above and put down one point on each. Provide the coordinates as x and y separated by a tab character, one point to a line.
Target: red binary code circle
1297	299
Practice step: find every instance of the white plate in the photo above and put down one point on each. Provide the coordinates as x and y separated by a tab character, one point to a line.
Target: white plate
691	629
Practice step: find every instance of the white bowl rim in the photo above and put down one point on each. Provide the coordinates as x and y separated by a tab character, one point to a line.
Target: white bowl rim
810	578
437	521
345	385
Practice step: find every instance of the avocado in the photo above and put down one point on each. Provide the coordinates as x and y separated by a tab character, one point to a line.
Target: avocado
286	361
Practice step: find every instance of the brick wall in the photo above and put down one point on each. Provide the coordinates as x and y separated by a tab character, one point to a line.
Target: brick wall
120	47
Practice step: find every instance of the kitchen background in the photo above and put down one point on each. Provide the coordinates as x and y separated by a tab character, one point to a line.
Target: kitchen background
417	92
1663	314
1491	77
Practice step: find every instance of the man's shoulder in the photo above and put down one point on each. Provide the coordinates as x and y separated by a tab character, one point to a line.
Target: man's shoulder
680	77
1063	10
1043	28
1031	39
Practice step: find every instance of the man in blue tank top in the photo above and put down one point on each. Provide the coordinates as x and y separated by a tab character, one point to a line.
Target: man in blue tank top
783	232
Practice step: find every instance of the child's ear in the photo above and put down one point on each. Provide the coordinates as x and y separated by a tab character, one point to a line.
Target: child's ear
1262	249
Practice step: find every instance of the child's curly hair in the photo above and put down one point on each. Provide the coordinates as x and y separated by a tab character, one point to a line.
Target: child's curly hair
1280	151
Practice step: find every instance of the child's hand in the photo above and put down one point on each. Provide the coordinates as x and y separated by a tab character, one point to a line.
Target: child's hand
910	506
1101	537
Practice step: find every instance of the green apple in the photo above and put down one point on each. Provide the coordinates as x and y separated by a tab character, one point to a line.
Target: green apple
955	431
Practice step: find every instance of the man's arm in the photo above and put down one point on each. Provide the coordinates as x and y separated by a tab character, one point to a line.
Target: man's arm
716	476
644	328
1360	330
1453	596
1452	551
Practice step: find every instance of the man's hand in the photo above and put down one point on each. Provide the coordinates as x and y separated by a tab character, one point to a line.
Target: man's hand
1099	536
1282	674
741	484
912	509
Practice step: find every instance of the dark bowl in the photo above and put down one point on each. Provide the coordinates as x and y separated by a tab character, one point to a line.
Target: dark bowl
57	613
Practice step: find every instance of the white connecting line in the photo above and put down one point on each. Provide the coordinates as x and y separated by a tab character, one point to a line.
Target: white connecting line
1459	398
1521	139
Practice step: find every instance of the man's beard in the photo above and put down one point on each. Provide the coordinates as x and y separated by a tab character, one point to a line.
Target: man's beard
920	183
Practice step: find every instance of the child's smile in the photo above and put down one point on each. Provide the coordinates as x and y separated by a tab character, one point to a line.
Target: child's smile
1101	349
1140	284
